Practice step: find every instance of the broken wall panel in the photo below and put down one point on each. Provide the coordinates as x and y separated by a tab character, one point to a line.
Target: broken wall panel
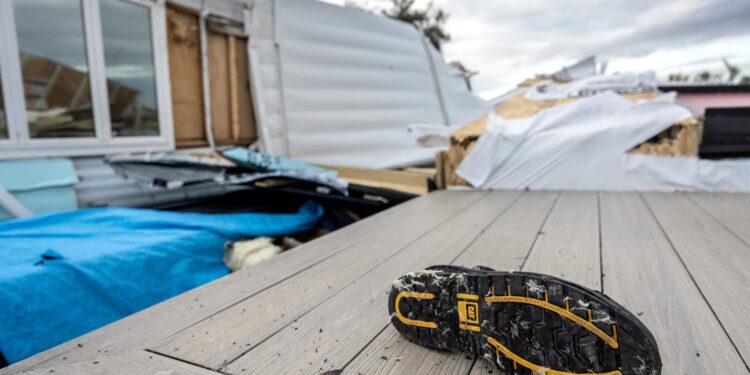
232	117
183	39
341	86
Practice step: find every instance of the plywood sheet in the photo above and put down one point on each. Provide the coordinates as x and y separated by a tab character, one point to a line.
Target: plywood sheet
183	41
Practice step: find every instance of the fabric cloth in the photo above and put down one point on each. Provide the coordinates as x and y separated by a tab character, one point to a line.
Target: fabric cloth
63	275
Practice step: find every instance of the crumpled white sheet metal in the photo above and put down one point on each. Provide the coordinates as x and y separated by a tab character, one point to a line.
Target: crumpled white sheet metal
583	145
340	85
621	83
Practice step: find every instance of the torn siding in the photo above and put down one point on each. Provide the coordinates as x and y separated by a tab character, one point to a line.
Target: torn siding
99	186
340	85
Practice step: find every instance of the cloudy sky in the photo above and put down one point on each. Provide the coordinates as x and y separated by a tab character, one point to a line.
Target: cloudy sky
508	41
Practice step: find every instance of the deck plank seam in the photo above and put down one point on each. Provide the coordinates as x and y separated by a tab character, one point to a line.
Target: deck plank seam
362	349
695	283
184	361
491	222
473	363
528	253
716	219
468	205
601	252
323	259
540	232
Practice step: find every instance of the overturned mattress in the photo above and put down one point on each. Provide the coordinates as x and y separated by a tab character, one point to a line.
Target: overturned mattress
62	275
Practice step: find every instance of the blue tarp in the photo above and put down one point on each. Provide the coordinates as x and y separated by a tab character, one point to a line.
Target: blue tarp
62	275
270	163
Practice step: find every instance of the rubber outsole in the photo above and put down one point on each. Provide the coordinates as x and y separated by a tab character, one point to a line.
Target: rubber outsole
524	323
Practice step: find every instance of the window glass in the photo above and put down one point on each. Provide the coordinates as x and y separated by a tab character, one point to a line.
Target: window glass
55	68
3	121
128	55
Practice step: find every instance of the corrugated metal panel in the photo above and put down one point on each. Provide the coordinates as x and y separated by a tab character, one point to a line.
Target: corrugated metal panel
99	186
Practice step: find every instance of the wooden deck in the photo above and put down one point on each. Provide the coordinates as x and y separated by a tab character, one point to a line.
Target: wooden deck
679	261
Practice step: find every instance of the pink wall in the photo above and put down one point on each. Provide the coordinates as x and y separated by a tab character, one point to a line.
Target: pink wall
698	102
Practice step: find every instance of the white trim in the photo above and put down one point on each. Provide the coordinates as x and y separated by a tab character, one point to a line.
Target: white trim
94	41
279	72
162	76
20	145
12	78
205	79
12	205
5	78
256	86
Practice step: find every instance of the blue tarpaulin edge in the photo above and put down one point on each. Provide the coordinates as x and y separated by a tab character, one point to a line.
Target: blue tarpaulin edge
63	275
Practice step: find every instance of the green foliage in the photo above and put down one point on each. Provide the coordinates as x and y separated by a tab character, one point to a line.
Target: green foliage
430	20
678	77
703	76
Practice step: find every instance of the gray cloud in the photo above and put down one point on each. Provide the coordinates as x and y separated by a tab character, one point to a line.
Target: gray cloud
507	41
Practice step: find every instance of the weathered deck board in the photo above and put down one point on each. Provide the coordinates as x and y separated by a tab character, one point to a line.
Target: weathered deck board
733	211
678	259
504	245
568	245
354	316
716	259
224	337
645	275
132	363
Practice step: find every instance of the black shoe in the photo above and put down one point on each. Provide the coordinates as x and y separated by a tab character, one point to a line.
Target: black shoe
525	323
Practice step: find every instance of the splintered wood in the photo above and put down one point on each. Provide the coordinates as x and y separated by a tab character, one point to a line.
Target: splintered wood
682	139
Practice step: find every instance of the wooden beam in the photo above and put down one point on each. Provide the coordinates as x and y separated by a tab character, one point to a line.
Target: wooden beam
233	86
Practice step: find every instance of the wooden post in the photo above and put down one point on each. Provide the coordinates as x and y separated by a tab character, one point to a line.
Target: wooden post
233	87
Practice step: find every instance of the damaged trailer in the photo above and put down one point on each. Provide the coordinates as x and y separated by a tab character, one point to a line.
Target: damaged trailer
300	78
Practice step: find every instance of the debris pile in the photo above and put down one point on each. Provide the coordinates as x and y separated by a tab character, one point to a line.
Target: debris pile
597	133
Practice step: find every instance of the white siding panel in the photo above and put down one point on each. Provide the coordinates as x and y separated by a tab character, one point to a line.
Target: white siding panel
350	83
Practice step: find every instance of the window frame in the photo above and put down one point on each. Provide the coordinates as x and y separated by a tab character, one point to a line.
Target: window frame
20	145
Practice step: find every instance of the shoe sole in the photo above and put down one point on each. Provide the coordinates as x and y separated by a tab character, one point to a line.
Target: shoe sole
524	323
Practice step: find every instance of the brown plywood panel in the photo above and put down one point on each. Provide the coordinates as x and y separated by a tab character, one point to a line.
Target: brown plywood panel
183	36
218	70
248	131
232	117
